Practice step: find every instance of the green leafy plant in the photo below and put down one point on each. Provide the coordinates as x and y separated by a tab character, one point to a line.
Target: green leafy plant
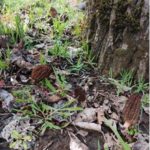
88	54
63	85
126	78
22	95
15	31
98	146
48	84
141	86
113	127
145	100
4	64
58	27
133	131
20	140
60	50
46	114
19	28
78	66
125	82
42	59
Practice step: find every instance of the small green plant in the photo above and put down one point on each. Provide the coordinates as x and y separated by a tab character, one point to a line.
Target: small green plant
42	59
113	127
15	31
60	50
19	28
145	100
3	65
126	78
141	86
22	95
110	73
88	54
19	140
46	114
133	131
48	84
125	82
58	27
77	30
78	66
98	146
61	83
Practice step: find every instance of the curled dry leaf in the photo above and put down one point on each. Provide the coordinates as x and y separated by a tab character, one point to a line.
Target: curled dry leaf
88	126
131	110
6	98
41	72
87	115
76	144
53	99
100	115
22	63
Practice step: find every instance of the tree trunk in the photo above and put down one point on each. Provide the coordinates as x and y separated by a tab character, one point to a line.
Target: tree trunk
118	35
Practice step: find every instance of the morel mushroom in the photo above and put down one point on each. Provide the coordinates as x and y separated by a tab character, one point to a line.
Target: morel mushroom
40	72
131	110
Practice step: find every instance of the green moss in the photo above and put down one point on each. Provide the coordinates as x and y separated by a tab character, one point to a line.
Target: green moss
125	19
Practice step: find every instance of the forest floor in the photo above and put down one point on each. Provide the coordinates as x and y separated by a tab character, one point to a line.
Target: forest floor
52	96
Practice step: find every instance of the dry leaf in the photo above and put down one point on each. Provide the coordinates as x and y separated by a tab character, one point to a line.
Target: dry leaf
54	98
76	144
100	115
87	115
88	126
4	41
6	98
22	63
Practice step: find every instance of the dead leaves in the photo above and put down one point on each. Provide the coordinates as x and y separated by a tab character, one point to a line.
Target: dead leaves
6	99
4	41
76	144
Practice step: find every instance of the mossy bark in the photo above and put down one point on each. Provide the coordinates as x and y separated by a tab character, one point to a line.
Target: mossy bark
118	35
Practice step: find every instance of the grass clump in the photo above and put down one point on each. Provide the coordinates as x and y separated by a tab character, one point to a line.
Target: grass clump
59	50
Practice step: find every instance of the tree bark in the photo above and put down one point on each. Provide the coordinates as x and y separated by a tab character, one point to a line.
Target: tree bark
118	35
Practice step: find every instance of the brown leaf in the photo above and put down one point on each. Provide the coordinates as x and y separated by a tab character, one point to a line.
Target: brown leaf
22	63
53	12
41	72
100	115
80	93
53	99
20	45
131	110
2	83
4	41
